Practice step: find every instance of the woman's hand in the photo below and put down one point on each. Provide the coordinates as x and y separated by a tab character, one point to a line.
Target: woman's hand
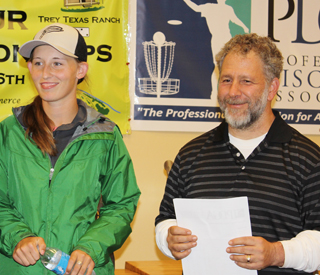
27	250
79	263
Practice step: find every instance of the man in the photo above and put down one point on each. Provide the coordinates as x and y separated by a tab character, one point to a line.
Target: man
252	153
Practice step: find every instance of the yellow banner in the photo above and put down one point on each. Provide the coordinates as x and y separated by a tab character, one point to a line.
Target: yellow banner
104	25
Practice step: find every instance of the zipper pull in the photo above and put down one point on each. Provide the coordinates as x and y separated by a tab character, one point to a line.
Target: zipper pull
51	173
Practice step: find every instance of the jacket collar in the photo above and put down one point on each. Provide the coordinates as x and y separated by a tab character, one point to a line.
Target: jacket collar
88	119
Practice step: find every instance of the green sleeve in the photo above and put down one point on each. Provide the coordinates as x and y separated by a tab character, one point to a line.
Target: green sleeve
120	195
12	227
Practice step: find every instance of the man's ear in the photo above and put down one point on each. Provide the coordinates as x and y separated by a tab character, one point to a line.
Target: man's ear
273	88
82	70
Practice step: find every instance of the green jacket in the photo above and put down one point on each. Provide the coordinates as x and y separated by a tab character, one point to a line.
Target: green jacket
94	163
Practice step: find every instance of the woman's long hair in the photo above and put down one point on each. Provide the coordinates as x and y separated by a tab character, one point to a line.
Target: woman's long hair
39	127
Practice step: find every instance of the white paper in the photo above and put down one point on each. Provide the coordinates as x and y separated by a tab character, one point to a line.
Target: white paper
215	222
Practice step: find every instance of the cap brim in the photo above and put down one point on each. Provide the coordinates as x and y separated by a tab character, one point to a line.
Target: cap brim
26	49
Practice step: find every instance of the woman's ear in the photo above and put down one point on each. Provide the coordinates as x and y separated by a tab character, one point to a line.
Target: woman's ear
29	64
82	70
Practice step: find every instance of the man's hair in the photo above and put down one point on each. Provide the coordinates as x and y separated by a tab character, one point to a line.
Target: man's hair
262	46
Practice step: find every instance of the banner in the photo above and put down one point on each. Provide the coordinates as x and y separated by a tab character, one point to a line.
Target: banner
173	74
104	25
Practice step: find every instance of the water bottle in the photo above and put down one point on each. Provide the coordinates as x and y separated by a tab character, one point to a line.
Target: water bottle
56	260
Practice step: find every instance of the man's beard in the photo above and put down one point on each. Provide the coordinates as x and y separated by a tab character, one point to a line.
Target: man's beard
239	119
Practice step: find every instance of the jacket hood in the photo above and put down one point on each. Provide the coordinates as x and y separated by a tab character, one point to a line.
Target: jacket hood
95	121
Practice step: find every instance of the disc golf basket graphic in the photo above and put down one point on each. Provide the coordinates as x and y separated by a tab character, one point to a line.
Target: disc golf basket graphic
159	55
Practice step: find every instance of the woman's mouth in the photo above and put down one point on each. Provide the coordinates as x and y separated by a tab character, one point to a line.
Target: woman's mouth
48	85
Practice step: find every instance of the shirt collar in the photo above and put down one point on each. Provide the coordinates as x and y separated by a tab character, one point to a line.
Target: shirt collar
79	119
279	131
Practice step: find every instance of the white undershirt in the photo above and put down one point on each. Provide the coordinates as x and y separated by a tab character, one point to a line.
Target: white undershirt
301	252
246	146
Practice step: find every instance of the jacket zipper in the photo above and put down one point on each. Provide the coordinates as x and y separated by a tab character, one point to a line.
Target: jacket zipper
100	119
51	174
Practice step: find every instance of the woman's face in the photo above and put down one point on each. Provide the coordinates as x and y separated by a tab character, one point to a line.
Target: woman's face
54	74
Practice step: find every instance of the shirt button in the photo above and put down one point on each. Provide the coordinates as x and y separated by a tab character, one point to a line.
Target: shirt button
238	154
243	167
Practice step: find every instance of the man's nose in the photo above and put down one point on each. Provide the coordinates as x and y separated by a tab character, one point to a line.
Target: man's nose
234	89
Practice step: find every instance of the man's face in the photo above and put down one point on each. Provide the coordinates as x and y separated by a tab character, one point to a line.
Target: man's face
243	90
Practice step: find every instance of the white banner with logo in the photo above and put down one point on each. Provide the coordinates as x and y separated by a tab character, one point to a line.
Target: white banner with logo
173	76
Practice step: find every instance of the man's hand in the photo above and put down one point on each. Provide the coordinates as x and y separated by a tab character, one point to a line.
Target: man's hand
256	253
26	251
80	263
180	241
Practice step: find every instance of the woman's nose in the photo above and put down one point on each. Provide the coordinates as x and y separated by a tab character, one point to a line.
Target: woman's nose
46	71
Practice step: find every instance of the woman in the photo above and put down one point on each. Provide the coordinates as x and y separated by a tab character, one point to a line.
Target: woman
57	158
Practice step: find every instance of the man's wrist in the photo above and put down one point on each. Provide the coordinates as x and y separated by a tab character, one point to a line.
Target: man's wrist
278	254
161	236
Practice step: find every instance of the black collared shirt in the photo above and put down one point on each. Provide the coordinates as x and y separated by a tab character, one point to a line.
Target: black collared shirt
281	179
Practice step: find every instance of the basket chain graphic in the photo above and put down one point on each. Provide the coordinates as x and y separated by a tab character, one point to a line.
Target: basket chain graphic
159	56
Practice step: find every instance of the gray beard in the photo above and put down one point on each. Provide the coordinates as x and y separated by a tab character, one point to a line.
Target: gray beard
244	120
